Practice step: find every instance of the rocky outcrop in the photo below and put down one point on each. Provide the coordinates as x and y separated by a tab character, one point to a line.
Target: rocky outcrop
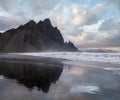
70	46
32	36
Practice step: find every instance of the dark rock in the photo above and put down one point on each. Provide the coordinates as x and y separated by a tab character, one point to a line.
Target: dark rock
51	33
70	46
32	36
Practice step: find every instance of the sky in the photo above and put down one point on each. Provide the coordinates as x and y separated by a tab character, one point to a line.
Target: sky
87	23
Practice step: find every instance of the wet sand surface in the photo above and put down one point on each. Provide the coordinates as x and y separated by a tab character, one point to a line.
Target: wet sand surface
41	78
28	59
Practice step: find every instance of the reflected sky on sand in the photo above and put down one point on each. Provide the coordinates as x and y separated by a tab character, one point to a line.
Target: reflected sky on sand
23	81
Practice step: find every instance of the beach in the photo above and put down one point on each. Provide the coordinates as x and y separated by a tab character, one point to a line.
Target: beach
27	59
30	77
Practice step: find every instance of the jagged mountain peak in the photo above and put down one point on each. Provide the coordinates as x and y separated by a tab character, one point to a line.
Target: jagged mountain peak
34	36
47	20
31	23
45	23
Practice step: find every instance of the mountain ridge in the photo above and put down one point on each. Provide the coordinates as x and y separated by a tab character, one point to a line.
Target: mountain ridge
34	37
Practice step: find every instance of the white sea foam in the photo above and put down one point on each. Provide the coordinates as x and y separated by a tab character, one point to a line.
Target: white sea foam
107	61
78	56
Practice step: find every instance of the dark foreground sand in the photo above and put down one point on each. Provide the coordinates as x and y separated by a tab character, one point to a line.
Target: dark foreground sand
28	59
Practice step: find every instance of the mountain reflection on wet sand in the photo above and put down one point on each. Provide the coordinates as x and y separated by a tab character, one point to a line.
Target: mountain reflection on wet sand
64	82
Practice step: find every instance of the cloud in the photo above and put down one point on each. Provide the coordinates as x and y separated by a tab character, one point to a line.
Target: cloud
8	4
111	30
40	6
106	34
63	14
8	20
8	23
115	3
93	40
91	16
77	9
84	40
110	25
108	40
88	23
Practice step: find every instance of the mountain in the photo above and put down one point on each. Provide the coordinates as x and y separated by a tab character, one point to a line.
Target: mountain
34	37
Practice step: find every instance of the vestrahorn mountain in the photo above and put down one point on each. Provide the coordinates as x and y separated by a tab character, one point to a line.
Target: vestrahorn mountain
34	37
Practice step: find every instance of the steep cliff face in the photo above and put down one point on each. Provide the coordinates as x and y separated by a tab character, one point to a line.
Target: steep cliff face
50	32
34	36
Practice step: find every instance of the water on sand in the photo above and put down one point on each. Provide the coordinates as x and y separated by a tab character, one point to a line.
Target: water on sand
66	81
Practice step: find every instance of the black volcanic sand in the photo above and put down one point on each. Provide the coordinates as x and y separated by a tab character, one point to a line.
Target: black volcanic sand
4	57
40	78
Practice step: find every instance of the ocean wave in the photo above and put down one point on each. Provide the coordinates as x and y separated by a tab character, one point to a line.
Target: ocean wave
78	56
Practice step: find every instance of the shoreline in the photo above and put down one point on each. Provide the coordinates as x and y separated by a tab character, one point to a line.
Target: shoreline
51	61
29	59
